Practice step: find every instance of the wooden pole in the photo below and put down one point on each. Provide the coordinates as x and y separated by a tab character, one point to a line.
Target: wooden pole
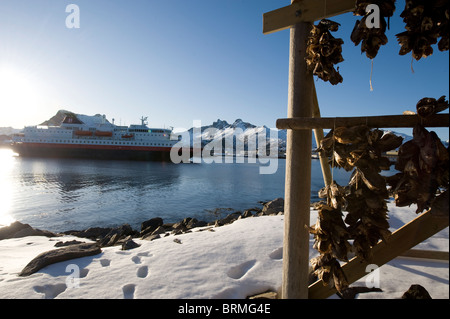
298	170
318	133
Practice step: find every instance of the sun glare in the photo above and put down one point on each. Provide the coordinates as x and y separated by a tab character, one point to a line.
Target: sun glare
19	96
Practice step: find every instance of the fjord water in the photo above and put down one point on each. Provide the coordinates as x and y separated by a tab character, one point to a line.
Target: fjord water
68	194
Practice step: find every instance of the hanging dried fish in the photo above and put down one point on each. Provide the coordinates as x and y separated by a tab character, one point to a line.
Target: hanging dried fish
330	233
423	165
334	193
367	211
361	150
324	51
331	240
328	269
351	135
443	26
426	21
372	38
358	146
430	106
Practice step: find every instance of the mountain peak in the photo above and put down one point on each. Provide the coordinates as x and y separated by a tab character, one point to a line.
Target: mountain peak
219	124
57	119
239	123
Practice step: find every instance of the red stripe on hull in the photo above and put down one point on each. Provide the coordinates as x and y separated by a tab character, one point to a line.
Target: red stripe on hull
101	152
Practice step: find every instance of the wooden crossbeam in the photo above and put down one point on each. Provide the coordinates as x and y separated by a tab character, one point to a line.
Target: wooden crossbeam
387	121
405	238
304	11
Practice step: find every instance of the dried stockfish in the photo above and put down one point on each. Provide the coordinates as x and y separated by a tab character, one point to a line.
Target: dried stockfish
324	51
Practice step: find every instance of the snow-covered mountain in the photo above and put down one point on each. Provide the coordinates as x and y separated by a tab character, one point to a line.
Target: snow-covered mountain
239	135
58	118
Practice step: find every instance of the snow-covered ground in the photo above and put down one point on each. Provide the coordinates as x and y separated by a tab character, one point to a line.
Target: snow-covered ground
228	262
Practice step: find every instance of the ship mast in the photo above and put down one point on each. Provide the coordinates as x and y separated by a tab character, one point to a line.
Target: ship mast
144	120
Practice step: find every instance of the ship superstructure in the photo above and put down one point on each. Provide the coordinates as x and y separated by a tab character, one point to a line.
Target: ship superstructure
98	139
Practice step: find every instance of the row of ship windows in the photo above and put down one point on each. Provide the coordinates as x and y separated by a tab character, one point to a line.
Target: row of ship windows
99	142
70	132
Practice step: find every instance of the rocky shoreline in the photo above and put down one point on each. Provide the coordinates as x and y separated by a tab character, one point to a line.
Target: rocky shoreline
151	229
123	235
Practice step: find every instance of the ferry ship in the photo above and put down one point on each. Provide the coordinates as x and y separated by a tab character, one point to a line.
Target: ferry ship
97	139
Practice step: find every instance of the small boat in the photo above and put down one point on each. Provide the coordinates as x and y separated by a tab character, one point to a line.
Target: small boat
83	133
103	133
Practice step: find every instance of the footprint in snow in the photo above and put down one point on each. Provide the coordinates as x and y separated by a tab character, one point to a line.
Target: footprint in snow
277	253
136	259
50	291
144	254
105	262
239	271
142	272
128	291
84	272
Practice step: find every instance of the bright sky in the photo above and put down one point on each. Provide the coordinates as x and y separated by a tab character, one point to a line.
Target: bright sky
178	61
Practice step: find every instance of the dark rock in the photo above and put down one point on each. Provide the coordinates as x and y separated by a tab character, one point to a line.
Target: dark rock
194	223
34	232
248	213
209	228
19	230
176	240
9	231
273	207
59	255
130	244
115	234
110	240
182	224
186	225
228	219
93	233
168	226
67	243
416	292
151	237
147	231
158	231
177	231
154	223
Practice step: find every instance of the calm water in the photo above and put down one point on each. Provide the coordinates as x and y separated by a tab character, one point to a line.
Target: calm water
59	195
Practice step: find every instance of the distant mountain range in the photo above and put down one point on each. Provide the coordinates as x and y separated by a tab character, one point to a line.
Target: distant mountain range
247	134
220	130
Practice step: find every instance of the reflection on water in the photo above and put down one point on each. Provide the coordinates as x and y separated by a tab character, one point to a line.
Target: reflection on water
60	195
74	193
6	189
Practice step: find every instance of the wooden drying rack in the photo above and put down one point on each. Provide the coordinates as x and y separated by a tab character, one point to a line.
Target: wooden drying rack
304	117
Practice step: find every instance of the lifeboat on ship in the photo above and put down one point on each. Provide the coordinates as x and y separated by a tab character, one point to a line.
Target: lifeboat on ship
103	133
128	136
83	133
